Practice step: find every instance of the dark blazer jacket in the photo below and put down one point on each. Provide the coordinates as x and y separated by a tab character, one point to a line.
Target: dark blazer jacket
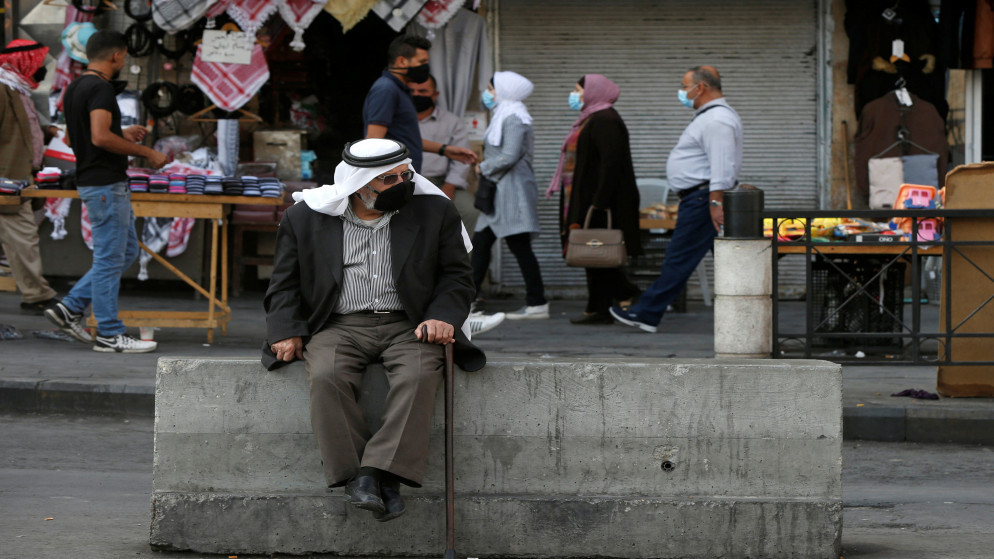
431	269
604	176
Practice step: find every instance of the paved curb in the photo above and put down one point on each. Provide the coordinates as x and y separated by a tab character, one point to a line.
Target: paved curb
945	424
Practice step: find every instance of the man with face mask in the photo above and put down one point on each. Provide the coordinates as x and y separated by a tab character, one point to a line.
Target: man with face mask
93	120
704	163
22	146
373	268
389	110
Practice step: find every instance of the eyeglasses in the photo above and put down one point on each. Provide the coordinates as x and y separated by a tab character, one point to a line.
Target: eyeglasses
387	180
688	87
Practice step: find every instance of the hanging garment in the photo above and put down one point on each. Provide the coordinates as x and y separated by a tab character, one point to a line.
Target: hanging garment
921	169
956	27
250	15
179	236
67	69
299	14
56	210
229	86
436	13
397	13
459	52
349	12
85	229
155	236
878	126
173	16
886	177
227	145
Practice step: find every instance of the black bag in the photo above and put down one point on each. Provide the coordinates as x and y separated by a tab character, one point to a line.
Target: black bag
486	192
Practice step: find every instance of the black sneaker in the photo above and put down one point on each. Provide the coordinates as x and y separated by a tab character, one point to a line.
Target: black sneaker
71	323
37	308
122	343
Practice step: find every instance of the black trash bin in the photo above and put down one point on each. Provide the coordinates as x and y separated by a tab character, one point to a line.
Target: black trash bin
743	207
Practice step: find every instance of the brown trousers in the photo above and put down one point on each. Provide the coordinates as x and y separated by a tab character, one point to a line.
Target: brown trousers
19	236
335	359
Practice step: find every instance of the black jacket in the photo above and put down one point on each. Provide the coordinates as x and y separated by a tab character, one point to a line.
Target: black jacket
431	269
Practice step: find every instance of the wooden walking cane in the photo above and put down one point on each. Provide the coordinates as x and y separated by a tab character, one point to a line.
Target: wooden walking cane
450	490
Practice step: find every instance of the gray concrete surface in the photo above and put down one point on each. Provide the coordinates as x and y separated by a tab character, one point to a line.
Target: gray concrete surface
619	458
92	476
47	375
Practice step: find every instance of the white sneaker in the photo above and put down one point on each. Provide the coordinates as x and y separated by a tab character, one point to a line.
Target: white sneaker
71	323
122	343
528	313
480	323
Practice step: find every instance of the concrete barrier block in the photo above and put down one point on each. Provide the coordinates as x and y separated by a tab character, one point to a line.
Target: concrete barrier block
712	453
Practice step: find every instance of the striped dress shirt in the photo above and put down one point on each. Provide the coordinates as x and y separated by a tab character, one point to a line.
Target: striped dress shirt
367	282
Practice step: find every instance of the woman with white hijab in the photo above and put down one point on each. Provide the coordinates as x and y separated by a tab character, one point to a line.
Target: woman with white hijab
508	148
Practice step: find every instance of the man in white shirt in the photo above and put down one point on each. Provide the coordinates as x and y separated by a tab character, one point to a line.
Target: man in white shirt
705	162
443	127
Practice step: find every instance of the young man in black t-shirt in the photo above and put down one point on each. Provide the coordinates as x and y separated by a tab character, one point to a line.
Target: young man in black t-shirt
93	120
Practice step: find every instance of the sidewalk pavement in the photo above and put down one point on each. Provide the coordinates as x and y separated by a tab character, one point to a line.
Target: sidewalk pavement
45	375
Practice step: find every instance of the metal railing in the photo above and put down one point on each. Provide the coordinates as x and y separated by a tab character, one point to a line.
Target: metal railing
909	344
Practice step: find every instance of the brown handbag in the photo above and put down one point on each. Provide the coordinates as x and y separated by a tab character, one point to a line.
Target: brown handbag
596	248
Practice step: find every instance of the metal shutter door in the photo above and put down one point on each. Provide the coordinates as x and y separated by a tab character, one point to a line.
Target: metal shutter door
765	50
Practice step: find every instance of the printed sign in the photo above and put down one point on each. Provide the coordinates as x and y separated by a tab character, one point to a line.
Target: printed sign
476	124
232	47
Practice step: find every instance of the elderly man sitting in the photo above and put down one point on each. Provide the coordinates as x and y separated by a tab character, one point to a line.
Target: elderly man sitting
372	268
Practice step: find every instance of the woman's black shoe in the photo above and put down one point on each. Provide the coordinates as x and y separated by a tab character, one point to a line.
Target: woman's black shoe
595	318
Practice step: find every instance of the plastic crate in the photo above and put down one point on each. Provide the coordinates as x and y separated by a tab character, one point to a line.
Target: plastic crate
850	296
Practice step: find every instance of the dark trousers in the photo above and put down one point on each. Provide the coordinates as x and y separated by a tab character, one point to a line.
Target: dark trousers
605	286
692	239
521	248
335	359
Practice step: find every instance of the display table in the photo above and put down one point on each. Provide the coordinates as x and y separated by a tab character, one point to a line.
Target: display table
213	208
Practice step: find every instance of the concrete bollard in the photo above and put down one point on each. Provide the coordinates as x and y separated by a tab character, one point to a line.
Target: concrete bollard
742	304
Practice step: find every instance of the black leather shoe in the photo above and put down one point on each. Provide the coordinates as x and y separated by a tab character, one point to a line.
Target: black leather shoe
364	493
595	318
392	501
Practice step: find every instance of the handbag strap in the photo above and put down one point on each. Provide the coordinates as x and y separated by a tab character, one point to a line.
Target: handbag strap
590	212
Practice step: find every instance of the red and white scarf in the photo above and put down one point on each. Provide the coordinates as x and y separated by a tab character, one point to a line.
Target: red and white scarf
299	14
251	14
229	86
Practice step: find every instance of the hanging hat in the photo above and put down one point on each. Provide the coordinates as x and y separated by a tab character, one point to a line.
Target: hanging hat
75	37
174	16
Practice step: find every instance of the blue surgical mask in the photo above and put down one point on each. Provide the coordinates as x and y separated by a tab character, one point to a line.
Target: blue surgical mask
488	100
575	102
684	99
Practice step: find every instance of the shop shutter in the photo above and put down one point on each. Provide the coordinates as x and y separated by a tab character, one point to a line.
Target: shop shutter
766	51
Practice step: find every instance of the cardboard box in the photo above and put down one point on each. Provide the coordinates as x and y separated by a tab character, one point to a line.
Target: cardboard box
969	187
282	147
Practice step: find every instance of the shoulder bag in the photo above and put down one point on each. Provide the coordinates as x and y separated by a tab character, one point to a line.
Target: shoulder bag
596	248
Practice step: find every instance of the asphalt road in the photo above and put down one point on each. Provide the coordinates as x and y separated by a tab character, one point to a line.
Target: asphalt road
79	487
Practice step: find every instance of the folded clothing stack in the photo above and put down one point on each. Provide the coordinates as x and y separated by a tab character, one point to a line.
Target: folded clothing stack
232	186
213	185
138	183
177	184
195	184
49	178
11	187
271	187
158	184
250	186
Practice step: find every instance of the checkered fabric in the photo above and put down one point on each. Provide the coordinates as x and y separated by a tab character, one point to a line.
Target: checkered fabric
437	13
397	13
299	14
229	86
174	16
251	14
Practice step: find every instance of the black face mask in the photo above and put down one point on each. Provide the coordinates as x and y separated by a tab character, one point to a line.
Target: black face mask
419	74
39	76
395	197
422	102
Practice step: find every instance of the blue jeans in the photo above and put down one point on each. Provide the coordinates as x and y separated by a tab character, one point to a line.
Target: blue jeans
115	247
692	239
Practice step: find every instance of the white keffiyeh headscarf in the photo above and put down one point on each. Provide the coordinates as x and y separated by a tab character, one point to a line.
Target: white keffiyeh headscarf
333	199
511	89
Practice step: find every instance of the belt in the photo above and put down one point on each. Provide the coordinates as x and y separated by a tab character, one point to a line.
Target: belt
378	312
683	193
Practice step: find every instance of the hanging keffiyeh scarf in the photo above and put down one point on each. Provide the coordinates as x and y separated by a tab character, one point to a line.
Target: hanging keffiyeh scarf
349	12
299	14
179	236
397	12
251	14
155	236
229	86
437	13
56	210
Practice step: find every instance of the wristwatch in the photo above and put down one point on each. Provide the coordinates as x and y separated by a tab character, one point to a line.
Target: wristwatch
441	150
716	203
